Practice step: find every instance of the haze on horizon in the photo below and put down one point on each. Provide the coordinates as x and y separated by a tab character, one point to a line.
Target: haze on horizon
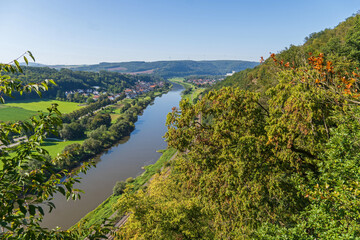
89	32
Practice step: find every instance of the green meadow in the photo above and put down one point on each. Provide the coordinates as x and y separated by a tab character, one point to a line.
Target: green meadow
55	147
8	113
22	110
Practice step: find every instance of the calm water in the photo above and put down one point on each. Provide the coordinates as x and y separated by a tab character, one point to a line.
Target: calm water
120	162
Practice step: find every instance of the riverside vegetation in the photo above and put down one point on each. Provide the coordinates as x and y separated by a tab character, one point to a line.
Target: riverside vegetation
191	92
30	177
106	209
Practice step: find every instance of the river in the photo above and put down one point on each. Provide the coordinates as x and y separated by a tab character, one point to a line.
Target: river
119	163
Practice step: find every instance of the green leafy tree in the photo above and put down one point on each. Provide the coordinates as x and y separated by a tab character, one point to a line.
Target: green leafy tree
25	190
284	169
92	145
353	41
119	188
100	119
72	131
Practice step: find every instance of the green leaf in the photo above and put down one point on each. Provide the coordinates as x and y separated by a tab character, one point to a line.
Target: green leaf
41	210
32	210
52	81
23	209
26	60
45	85
30	54
62	190
18	66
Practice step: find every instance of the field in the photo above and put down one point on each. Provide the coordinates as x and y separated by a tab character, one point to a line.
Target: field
19	111
55	147
8	113
114	110
42	105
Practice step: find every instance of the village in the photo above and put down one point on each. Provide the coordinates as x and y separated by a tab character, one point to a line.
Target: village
142	87
95	92
203	81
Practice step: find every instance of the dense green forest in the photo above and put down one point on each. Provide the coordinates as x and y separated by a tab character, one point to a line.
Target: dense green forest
273	155
68	80
168	69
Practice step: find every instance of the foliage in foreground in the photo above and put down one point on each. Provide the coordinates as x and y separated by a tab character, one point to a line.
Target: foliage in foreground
27	179
285	170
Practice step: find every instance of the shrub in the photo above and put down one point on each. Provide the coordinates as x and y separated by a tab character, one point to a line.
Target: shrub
119	188
130	180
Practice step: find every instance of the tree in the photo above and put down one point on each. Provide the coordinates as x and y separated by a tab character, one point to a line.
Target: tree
73	155
92	145
90	100
282	167
100	119
119	188
353	41
24	191
72	131
99	133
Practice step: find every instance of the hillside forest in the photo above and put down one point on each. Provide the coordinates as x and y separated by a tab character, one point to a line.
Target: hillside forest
268	153
68	80
168	69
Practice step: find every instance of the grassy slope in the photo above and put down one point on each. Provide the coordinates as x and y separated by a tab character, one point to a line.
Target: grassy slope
23	110
105	209
15	111
55	147
8	113
42	105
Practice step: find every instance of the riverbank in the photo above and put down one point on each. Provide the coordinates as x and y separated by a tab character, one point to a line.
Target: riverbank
191	92
105	209
118	163
81	150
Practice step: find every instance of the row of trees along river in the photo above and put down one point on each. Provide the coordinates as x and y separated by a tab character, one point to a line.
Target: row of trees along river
118	163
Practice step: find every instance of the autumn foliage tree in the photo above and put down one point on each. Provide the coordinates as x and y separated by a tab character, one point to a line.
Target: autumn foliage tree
283	165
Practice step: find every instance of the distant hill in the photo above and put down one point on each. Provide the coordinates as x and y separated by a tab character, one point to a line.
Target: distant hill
168	69
32	64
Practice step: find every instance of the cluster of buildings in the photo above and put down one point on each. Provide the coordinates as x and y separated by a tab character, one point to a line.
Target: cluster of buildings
203	81
142	87
139	88
84	92
91	92
230	74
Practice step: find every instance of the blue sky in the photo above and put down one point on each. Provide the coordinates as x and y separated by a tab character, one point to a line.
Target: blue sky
93	31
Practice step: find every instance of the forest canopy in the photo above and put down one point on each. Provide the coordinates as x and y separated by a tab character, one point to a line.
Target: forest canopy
274	155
